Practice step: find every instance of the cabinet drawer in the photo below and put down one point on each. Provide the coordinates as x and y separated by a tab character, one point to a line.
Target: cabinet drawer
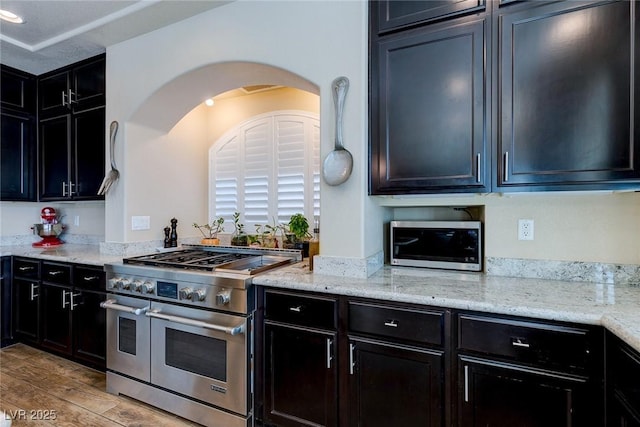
525	341
397	323
56	273
89	278
625	374
26	268
300	310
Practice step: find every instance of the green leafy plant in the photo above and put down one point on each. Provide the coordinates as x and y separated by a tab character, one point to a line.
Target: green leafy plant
239	237
299	226
210	231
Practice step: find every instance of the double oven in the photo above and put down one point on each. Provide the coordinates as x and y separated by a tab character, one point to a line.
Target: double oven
180	331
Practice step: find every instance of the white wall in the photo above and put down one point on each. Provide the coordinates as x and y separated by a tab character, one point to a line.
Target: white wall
315	40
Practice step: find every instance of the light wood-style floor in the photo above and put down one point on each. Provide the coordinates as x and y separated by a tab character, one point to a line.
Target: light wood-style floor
35	385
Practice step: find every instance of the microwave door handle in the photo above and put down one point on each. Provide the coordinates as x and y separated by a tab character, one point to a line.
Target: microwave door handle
230	330
110	304
407	242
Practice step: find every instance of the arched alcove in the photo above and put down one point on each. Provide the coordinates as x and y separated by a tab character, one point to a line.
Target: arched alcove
167	105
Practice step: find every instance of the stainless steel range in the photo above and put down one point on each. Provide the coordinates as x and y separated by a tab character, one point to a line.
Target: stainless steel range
180	328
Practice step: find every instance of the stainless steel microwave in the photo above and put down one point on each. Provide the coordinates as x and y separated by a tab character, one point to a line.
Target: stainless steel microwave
452	245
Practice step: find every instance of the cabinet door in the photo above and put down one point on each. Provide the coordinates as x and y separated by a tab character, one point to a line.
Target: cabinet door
53	94
56	318
17	159
495	393
393	14
26	297
89	327
88	85
54	157
17	90
300	377
567	76
393	385
428	108
88	161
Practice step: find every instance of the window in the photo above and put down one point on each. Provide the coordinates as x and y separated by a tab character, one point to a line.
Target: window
267	168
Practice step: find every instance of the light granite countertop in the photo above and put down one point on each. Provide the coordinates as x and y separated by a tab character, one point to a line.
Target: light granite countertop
616	307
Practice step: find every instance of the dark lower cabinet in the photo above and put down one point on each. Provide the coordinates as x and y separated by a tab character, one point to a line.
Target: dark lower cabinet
395	385
57	308
6	325
300	360
623	384
301	376
56	318
501	394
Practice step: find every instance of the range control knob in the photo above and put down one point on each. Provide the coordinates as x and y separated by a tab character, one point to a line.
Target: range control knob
148	287
124	284
199	295
137	285
185	293
223	297
113	283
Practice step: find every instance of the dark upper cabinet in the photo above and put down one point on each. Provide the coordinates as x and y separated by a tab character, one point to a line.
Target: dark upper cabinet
566	95
72	89
17	135
72	156
395	14
17	90
428	110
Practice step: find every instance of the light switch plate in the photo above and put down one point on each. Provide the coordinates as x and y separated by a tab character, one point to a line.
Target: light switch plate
140	222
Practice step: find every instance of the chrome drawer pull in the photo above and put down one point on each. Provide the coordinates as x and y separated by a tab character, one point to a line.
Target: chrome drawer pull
33	295
110	304
391	323
329	356
90	278
297	309
26	268
519	342
55	272
352	363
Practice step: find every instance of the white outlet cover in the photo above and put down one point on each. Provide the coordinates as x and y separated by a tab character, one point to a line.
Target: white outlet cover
525	229
140	223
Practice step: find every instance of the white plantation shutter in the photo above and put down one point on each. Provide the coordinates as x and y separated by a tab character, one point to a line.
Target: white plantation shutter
267	168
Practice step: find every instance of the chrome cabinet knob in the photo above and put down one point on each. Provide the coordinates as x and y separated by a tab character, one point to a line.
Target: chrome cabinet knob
185	293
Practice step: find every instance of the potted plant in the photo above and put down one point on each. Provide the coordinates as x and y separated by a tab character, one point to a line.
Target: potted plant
210	231
239	237
298	234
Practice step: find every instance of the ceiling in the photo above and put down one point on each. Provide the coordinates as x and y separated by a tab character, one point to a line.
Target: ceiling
58	33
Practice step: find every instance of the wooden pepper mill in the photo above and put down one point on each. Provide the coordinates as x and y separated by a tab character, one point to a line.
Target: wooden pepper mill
167	239
173	237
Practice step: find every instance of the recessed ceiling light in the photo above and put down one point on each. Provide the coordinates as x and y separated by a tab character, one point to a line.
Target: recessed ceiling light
5	15
209	102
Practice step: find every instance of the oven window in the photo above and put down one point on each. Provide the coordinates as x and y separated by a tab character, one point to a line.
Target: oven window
127	335
198	354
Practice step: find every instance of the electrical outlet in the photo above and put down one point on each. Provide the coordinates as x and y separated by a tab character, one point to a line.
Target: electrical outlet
525	229
140	222
76	220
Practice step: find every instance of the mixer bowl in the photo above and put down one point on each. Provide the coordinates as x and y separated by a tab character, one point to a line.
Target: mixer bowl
45	230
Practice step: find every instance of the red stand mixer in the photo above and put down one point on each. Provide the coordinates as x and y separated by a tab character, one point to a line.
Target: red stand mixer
49	229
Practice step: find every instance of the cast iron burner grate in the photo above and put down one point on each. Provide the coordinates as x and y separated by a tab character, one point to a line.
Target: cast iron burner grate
189	259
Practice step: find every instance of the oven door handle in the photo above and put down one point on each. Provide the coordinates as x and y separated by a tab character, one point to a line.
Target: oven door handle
111	305
231	330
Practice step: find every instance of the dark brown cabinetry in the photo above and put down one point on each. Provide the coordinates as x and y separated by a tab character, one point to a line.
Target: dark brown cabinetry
508	369
623	384
566	113
6	323
71	89
72	131
301	373
72	155
57	308
428	109
394	14
503	96
18	135
396	366
26	299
